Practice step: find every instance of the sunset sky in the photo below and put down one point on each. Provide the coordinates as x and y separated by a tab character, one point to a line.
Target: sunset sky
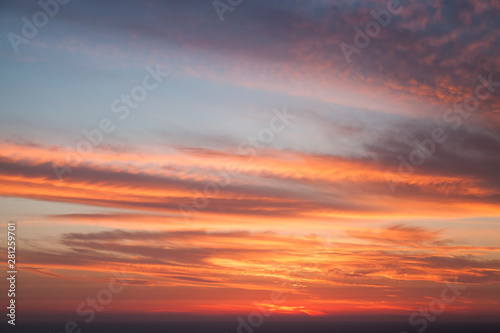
257	155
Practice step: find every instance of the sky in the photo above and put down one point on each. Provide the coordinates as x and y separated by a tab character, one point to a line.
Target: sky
212	154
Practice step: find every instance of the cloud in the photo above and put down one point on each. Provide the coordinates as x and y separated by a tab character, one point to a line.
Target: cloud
274	184
400	234
399	253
